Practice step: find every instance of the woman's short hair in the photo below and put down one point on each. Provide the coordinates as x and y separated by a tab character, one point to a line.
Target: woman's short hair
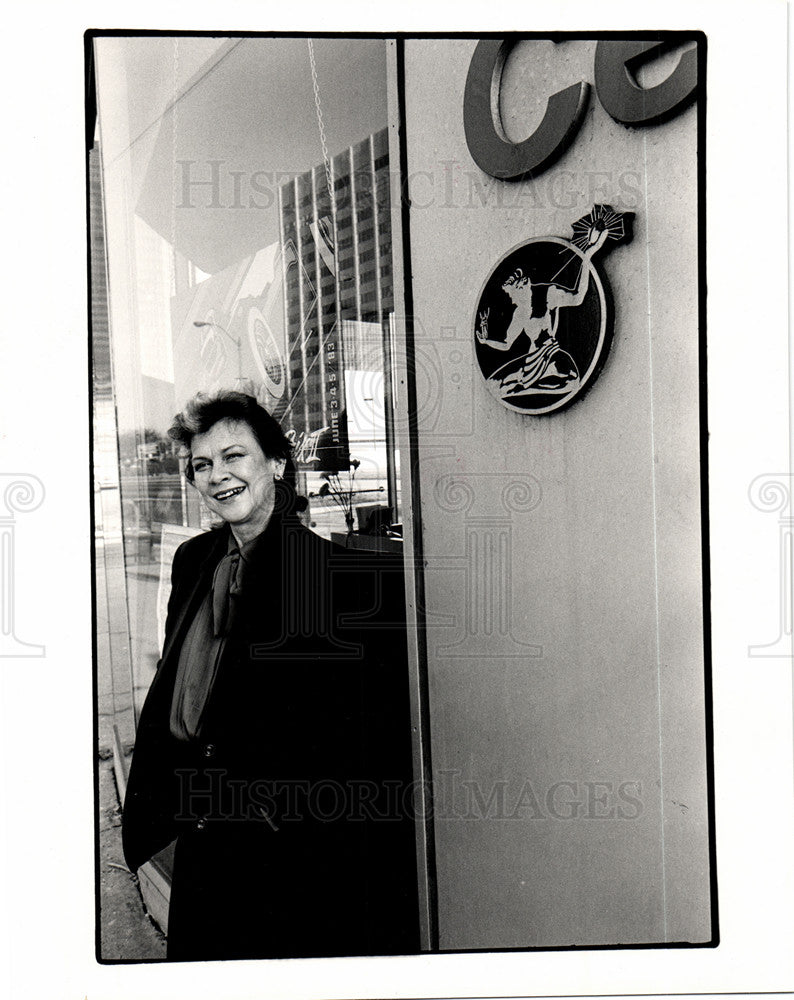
203	411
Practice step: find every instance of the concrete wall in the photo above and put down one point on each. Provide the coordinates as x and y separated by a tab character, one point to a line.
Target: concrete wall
576	697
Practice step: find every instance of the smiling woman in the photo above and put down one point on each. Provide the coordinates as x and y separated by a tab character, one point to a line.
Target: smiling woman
272	740
233	474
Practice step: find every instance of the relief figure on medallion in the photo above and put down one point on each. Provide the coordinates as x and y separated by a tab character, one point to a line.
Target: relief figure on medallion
546	366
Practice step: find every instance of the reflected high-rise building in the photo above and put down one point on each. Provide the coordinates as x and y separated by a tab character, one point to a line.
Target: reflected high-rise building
339	290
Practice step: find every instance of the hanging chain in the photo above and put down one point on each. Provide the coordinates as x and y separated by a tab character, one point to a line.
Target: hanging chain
326	159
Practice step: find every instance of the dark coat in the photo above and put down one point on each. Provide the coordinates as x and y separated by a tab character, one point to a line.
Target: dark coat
292	811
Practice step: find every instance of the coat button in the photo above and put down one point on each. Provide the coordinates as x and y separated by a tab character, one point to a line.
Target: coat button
200	824
209	750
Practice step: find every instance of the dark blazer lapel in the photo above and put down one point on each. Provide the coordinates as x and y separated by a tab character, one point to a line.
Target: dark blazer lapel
288	610
261	599
199	585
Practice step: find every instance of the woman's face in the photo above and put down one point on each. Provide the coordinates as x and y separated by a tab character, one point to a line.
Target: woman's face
235	477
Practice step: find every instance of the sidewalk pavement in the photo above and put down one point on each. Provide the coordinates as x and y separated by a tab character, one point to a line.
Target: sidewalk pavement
126	931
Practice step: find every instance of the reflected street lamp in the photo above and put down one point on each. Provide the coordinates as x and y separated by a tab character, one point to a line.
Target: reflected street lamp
237	340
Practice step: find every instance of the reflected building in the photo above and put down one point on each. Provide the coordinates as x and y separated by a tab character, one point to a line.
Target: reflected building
339	291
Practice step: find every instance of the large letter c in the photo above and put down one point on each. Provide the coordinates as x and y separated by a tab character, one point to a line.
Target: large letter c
490	148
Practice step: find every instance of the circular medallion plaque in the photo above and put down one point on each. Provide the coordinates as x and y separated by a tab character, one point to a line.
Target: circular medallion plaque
543	324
